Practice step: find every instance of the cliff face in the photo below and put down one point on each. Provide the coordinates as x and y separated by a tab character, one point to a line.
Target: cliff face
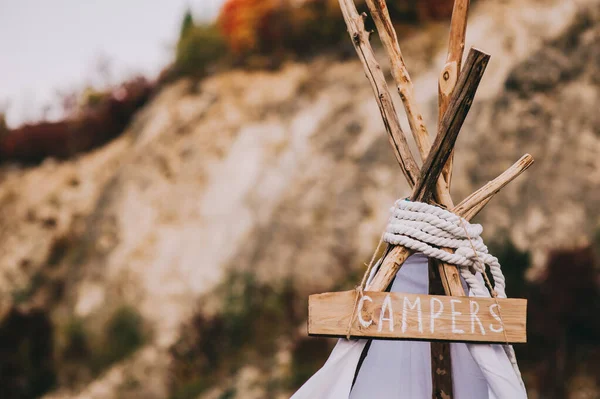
277	184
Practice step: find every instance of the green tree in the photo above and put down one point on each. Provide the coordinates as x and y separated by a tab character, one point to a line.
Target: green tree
187	24
201	47
3	125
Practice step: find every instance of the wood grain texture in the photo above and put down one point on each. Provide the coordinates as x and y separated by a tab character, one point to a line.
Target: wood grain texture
432	168
492	187
441	364
444	144
455	319
450	72
467	209
387	34
360	39
451	123
441	361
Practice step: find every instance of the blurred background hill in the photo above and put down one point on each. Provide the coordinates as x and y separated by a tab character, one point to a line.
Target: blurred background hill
161	233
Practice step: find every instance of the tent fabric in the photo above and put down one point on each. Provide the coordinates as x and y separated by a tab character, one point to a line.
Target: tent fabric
402	369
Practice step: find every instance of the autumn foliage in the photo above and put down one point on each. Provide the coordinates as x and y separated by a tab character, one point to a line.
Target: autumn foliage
245	23
251	26
271	31
102	117
563	324
245	29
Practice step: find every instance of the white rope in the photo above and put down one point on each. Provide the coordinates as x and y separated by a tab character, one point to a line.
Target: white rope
426	228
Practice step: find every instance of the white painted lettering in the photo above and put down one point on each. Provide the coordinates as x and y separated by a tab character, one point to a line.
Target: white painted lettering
454	314
474	307
362	321
387	305
434	314
407	305
495	316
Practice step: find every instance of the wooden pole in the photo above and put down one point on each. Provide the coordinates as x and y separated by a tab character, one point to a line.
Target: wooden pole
360	39
400	73
436	172
441	361
450	72
388	37
453	120
442	381
474	200
451	123
441	364
467	209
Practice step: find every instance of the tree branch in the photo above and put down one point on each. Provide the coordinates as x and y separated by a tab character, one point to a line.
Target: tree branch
450	126
468	208
442	147
360	39
451	71
388	37
475	200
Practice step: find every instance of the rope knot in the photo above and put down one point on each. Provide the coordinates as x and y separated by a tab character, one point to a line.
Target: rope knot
477	264
427	228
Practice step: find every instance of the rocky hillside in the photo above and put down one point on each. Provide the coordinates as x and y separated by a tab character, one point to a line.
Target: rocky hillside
546	108
175	261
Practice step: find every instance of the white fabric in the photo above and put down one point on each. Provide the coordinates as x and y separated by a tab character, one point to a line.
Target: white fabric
402	369
426	228
334	379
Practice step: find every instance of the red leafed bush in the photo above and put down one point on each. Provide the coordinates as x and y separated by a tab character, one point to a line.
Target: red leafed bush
563	325
93	125
264	26
244	23
277	26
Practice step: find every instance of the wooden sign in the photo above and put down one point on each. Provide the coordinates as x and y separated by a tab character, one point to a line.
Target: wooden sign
418	317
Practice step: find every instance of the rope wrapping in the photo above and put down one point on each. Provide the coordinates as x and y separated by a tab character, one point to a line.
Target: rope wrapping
427	228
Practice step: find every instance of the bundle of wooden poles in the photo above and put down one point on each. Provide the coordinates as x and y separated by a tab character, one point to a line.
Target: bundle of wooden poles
430	183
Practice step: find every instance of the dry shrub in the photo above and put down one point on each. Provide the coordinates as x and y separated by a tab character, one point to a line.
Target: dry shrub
254	319
101	117
244	23
27	368
301	27
435	10
563	324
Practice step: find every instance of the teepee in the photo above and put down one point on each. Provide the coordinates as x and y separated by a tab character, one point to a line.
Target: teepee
426	320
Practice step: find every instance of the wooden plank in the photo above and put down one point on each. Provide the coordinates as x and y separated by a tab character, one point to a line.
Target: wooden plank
418	317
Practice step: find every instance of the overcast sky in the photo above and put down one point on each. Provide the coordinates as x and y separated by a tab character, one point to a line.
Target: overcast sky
49	45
